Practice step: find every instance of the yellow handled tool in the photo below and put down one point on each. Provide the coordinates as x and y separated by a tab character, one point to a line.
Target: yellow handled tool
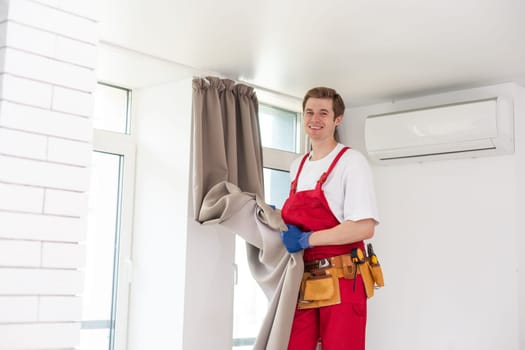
358	258
371	254
357	255
375	267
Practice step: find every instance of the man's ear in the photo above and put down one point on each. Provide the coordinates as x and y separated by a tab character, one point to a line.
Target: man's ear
338	119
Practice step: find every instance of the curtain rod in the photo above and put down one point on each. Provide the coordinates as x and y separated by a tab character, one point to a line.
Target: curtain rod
197	73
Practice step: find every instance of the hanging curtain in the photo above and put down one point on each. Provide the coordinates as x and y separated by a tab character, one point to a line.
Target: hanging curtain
226	138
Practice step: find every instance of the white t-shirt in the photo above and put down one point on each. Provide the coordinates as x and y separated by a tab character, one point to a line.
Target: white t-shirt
348	189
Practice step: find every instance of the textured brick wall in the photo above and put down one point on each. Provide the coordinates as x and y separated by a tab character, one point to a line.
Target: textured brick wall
47	60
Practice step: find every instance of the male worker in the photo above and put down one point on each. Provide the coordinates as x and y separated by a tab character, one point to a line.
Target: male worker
330	211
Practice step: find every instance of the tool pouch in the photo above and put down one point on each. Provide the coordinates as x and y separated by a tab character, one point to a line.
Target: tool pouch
377	274
368	279
319	289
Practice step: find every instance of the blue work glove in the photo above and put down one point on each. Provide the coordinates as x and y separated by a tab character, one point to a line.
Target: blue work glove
294	239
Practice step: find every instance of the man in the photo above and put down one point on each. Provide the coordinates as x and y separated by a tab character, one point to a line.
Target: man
330	211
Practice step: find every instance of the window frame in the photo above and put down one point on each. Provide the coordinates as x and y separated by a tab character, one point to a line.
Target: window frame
124	145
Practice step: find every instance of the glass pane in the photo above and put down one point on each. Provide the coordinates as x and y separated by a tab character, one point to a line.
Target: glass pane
250	303
278	128
276	186
102	250
111	108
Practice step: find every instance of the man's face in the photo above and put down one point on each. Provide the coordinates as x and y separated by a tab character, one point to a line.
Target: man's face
319	118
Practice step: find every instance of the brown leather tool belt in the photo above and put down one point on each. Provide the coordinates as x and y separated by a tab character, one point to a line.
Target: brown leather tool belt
340	265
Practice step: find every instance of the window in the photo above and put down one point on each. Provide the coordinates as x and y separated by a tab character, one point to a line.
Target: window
282	140
112	108
106	290
278	128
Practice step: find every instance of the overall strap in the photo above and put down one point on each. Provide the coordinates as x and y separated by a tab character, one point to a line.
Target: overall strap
323	177
293	186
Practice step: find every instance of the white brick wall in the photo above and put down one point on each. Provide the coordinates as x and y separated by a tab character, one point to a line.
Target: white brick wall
55	19
19	253
23	144
25	91
47	79
71	101
41	227
27	281
31	309
55	309
18	309
36	67
69	152
48	122
39	336
65	203
21	198
40	173
63	255
29	39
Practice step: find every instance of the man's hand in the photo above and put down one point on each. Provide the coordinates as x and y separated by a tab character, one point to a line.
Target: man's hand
294	239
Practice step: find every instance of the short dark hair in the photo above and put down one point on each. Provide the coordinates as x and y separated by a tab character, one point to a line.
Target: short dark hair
328	93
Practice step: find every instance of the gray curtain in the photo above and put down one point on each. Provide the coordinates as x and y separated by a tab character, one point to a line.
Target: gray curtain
226	138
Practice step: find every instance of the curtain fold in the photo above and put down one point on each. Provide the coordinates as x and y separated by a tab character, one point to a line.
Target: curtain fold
226	138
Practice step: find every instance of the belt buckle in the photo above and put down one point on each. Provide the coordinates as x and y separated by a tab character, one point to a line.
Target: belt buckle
324	263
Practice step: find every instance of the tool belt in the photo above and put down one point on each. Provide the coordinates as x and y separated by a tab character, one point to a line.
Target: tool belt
320	282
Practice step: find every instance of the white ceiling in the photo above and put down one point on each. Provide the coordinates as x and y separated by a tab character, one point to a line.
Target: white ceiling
369	50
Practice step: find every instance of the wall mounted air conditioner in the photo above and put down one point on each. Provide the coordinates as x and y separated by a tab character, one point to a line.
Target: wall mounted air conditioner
467	129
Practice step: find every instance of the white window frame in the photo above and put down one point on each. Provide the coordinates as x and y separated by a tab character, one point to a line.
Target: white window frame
125	146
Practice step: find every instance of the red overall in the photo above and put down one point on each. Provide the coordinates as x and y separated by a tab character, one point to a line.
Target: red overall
340	326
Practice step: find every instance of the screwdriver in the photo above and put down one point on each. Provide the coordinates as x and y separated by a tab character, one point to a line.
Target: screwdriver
357	258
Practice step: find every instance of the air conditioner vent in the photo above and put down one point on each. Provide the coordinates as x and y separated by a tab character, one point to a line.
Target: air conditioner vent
467	129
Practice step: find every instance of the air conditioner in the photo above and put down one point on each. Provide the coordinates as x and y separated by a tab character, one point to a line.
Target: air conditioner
474	128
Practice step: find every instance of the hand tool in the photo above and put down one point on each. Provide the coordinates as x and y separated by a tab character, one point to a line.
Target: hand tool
371	254
375	267
357	258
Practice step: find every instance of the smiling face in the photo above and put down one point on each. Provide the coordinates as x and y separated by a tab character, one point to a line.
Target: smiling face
319	119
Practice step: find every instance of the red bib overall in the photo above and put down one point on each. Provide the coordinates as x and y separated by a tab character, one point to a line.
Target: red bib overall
340	326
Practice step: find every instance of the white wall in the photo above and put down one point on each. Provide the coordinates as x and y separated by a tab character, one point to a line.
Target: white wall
47	61
208	309
520	209
163	130
449	242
